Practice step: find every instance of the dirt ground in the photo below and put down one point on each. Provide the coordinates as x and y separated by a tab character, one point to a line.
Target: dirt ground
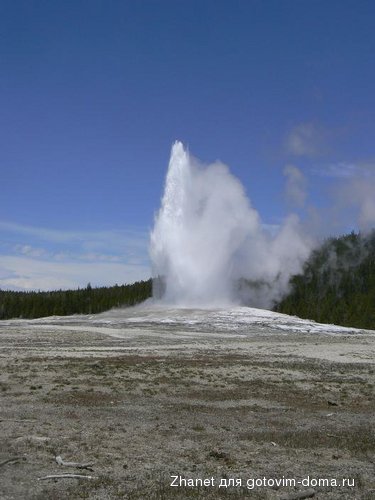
163	402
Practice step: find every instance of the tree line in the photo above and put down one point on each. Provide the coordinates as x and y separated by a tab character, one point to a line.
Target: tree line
337	284
89	300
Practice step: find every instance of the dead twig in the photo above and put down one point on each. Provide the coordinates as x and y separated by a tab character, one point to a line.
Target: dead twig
11	460
299	495
76	465
66	476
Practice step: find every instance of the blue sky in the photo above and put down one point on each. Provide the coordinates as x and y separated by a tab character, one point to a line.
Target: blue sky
94	93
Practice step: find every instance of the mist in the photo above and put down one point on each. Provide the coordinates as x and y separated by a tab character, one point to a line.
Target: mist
209	246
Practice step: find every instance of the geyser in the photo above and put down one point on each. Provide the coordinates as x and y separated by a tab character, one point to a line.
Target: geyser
209	247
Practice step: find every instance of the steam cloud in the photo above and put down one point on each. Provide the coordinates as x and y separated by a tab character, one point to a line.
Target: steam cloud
359	193
296	186
209	245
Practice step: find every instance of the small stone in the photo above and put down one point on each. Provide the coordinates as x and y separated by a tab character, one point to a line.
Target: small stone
332	403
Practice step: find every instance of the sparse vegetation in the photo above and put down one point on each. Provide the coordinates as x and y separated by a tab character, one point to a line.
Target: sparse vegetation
145	414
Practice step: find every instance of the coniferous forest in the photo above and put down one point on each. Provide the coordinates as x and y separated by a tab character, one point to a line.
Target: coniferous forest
337	286
87	300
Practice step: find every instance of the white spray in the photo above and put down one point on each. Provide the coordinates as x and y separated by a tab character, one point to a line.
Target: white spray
208	244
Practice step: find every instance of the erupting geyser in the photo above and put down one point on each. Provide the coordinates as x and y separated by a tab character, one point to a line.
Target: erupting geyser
208	245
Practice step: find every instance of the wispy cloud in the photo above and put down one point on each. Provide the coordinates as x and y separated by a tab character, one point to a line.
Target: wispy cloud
353	193
41	258
345	170
357	195
305	140
30	251
24	273
295	189
86	238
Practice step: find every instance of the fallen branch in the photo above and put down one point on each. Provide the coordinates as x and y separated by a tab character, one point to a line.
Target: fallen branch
18	420
11	460
77	465
299	495
66	476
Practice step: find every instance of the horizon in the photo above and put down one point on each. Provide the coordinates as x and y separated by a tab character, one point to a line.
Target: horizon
93	97
162	303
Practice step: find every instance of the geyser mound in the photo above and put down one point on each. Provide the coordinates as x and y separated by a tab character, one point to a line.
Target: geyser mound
209	247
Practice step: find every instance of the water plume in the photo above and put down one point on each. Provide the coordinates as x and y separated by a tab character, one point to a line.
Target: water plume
208	245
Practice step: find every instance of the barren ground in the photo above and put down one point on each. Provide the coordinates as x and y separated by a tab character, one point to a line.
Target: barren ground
160	401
